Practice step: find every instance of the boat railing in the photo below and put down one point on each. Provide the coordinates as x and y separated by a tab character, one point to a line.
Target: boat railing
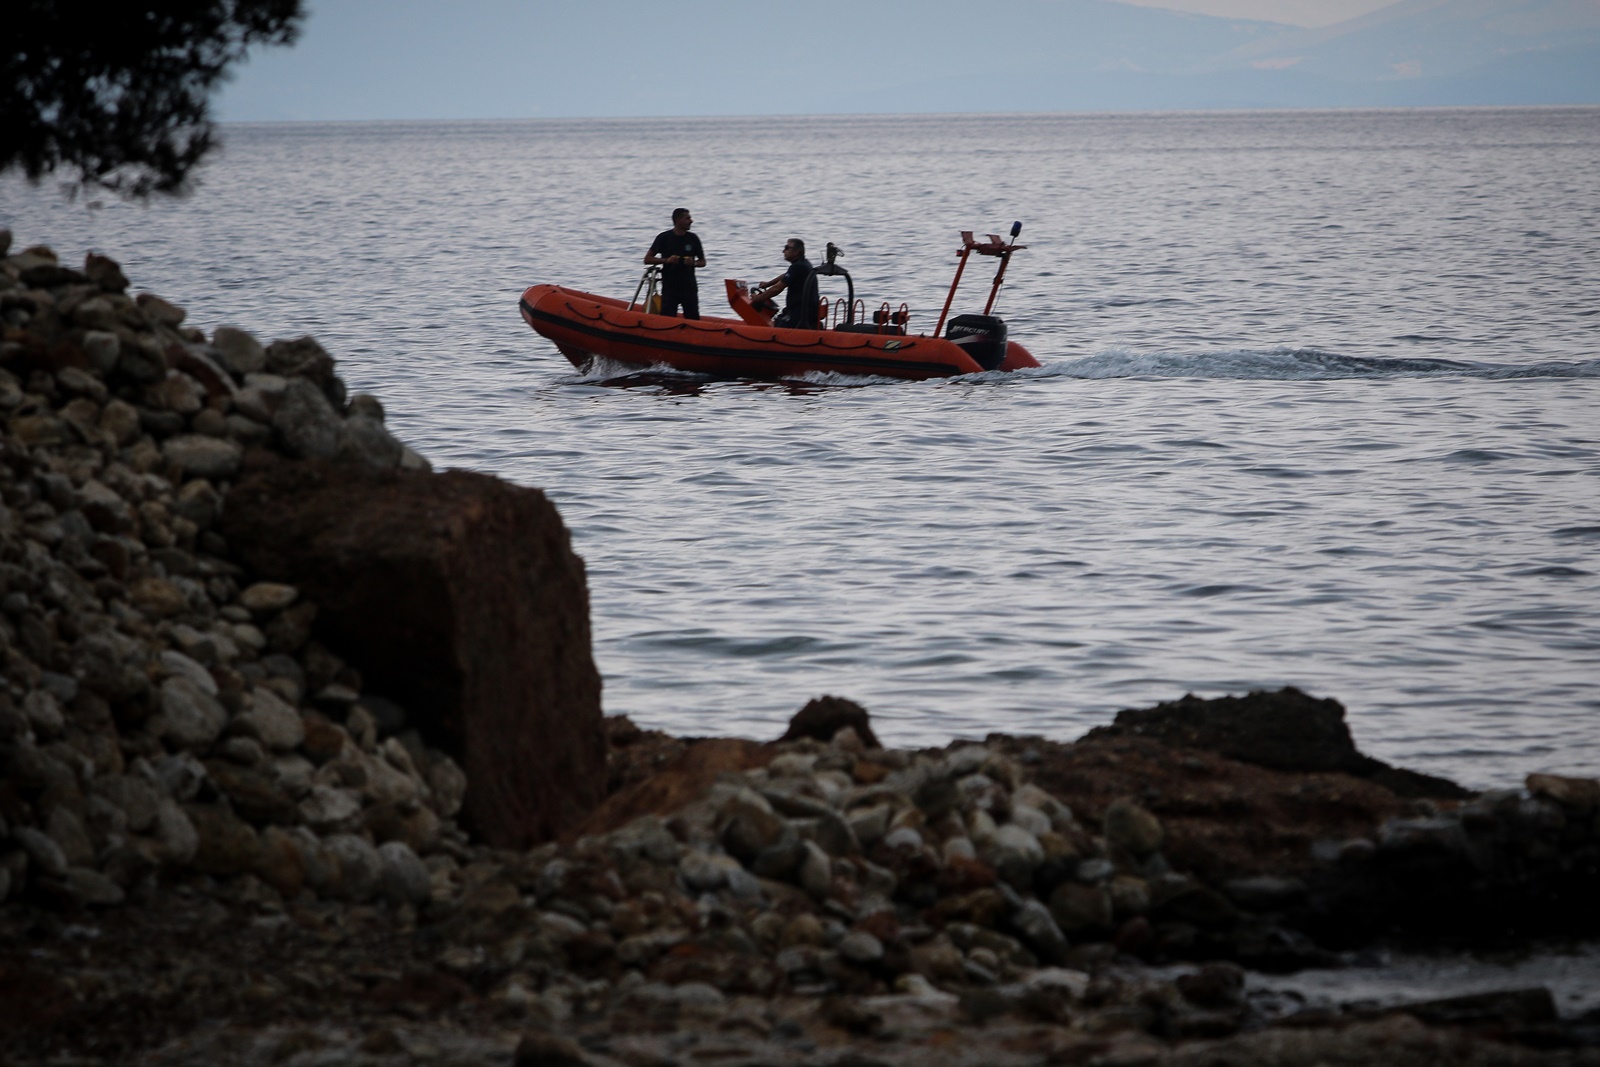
649	283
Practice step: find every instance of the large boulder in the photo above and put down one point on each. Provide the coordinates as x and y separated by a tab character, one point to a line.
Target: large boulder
460	596
1285	730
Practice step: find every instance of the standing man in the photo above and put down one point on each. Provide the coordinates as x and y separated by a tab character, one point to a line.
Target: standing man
678	253
798	312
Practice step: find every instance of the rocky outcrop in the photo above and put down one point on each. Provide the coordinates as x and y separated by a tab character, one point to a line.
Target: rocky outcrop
164	716
460	595
1285	730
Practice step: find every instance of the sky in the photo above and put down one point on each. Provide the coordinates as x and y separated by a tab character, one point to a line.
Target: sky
1293	12
364	60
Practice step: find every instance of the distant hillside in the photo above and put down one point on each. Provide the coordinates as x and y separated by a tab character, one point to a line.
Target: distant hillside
1440	52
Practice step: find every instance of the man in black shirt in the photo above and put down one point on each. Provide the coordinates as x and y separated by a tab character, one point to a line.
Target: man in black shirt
798	312
678	252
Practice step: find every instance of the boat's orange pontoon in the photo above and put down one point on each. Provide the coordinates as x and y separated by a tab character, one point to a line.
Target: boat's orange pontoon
584	326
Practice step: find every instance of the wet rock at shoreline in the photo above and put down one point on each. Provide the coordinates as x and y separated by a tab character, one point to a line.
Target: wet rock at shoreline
1284	730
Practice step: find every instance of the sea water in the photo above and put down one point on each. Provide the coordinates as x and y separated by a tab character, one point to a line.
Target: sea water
1318	403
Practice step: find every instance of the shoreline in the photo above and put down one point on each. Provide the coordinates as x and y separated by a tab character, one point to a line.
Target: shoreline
222	838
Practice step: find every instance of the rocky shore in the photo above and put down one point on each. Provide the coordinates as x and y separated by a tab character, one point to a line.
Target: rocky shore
302	762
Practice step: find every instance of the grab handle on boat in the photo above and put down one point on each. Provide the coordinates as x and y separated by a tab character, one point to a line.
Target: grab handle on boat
647	284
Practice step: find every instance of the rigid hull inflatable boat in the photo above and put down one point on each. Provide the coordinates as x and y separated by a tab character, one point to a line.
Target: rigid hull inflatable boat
846	341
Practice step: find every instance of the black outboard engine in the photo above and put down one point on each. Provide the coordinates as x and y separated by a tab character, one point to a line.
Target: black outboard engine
982	337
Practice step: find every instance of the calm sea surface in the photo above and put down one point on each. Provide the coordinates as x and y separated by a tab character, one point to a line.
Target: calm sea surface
1318	404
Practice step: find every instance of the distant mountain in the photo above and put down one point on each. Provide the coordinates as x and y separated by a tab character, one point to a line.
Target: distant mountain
1442	51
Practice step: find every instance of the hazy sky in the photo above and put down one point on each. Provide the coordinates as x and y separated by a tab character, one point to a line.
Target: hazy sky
1295	12
368	60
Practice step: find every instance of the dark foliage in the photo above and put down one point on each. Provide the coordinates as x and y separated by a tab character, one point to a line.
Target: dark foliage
119	94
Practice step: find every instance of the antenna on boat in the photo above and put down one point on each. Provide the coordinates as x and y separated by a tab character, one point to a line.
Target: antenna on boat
1016	228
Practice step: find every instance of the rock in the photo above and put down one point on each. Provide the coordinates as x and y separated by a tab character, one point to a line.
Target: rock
88	886
366	441
42	850
824	716
860	947
405	880
203	457
1514	1006
192	718
1284	730
1040	932
159	310
66	829
265	598
237	351
158	597
1129	826
360	867
225	843
176	664
271	721
539	1048
307	423
120	419
462	592
1265	892
104	272
1081	910
328	807
303	357
281	863
1581	794
1015	854
252	794
134	796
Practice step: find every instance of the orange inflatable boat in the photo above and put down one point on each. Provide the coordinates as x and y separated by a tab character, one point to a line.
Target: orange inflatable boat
847	341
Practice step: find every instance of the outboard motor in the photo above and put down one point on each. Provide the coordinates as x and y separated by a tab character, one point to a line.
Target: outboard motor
982	337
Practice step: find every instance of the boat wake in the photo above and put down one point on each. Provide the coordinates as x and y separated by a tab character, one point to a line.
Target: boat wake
1298	364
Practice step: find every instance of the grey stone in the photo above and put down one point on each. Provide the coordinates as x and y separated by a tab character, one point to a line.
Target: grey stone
176	664
1015	854
703	872
360	866
405	878
137	798
89	886
44	714
328	807
860	947
367	442
816	871
198	456
102	347
448	784
179	776
271	721
70	835
307	423
263	598
1129	826
238	351
193	719
44	852
1040	931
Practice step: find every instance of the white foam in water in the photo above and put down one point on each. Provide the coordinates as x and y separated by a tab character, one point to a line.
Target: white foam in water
1307	365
